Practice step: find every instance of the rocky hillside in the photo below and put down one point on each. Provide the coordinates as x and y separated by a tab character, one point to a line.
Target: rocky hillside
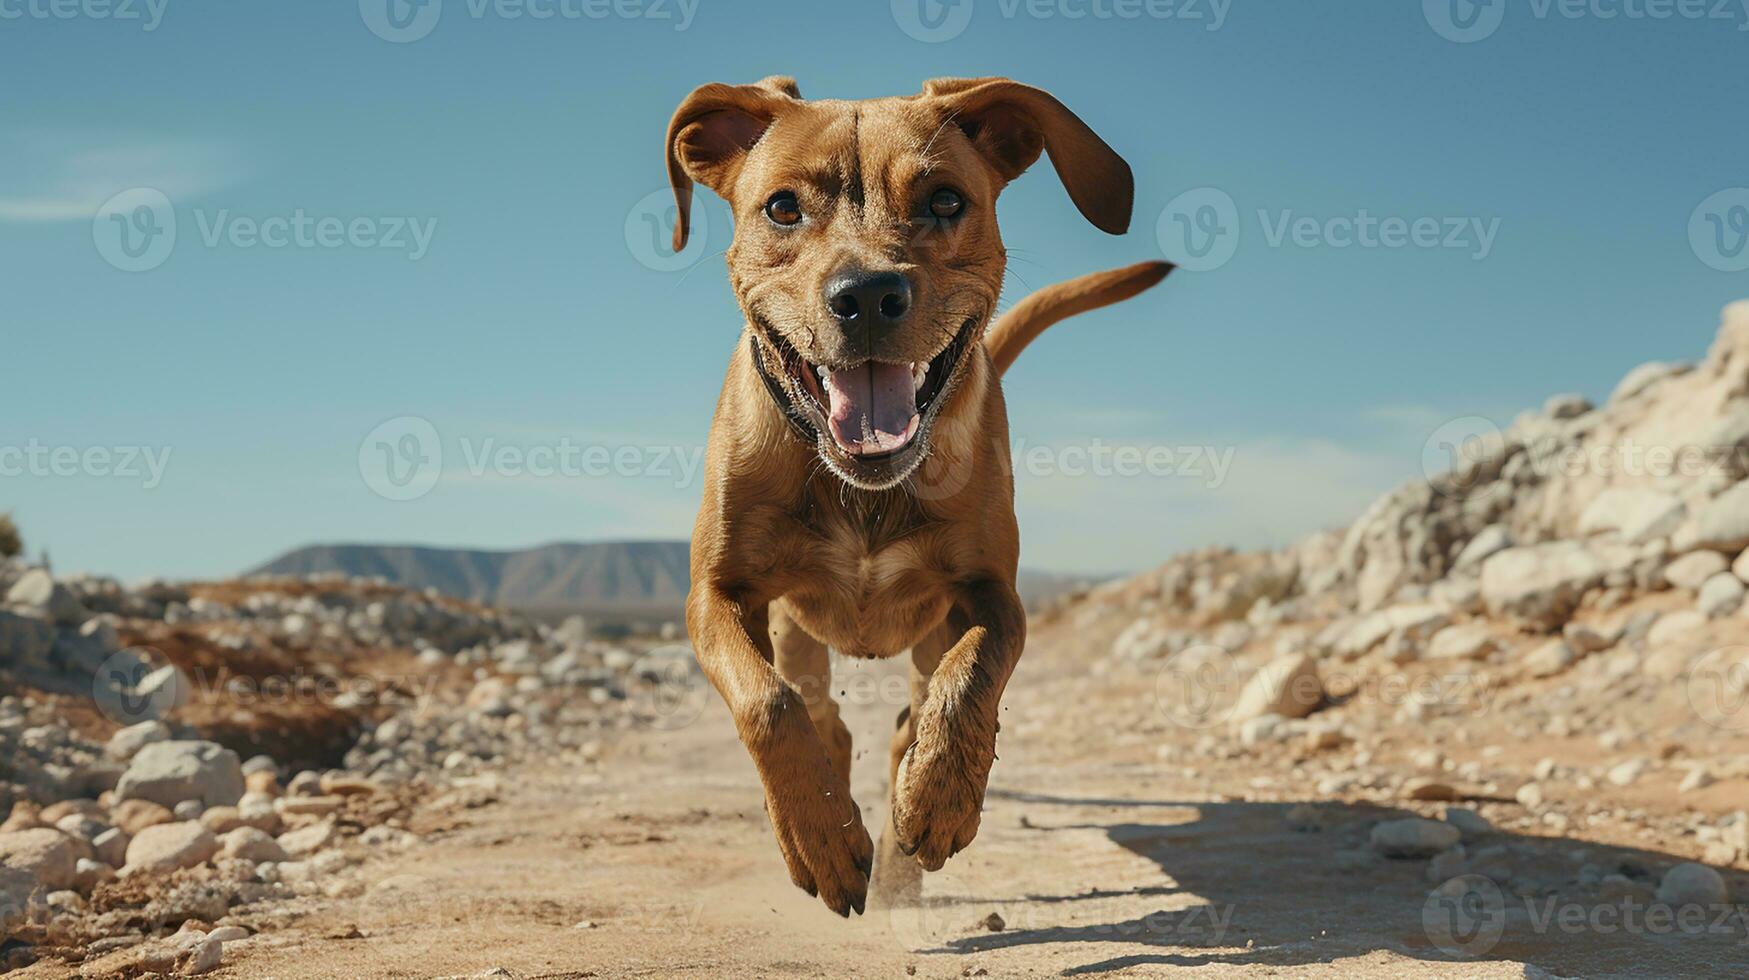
1552	634
180	761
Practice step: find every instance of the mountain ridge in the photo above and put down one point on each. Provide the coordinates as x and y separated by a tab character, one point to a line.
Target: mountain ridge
634	578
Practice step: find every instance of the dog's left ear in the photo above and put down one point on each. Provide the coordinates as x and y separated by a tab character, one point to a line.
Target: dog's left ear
710	134
1010	124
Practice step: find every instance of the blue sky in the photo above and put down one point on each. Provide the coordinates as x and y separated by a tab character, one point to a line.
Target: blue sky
1563	157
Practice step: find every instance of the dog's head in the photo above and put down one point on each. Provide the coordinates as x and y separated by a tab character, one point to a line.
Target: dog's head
866	254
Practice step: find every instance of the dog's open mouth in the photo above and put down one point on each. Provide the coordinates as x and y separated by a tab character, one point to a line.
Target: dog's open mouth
874	410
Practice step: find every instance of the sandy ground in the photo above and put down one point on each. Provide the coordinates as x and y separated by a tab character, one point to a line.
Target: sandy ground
1095	867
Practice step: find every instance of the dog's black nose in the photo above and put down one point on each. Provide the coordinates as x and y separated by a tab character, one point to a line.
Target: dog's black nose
868	299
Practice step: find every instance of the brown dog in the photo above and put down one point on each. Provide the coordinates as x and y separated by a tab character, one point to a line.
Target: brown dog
858	492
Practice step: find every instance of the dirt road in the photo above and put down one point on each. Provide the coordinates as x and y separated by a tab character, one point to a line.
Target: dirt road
1097	858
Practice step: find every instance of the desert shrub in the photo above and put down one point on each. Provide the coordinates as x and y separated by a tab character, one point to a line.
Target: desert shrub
10	543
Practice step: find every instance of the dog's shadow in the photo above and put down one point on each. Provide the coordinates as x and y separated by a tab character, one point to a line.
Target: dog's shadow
1245	885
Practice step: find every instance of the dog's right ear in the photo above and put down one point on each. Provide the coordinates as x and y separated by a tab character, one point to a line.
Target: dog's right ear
711	133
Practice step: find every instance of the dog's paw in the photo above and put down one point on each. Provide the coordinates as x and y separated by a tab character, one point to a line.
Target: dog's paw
819	830
939	796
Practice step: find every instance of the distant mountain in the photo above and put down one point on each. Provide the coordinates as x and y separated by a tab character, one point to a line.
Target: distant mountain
616	579
644	578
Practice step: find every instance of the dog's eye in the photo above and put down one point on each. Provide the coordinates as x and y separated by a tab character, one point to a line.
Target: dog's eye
946	203
782	209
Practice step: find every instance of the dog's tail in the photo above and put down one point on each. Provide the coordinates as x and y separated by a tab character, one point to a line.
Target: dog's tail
1011	332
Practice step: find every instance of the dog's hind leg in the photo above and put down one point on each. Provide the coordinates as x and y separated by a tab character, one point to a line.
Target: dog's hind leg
898	878
807	665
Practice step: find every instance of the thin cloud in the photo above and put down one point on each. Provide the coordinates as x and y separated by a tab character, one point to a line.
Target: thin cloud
65	177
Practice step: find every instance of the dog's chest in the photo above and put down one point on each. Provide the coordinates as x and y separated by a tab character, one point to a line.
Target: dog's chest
875	587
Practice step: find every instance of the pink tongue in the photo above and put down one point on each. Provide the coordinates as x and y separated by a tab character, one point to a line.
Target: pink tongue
873	408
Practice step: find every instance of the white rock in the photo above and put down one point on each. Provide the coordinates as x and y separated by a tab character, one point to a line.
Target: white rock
47	856
1645	376
38	589
170	846
1587	638
1723	523
127	741
250	844
1635	513
1627	773
1674	628
1487	542
1540	584
1286	686
1263	728
1693	884
1465	641
168	773
1720	595
307	840
1413	837
1549	659
1692	570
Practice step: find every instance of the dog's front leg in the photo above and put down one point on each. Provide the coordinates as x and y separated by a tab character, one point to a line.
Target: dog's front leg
940	786
818	826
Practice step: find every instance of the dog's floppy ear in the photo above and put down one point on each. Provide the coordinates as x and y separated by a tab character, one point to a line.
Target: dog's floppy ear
1010	124
711	133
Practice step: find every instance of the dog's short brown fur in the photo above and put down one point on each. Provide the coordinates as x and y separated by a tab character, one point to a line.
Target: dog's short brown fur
802	544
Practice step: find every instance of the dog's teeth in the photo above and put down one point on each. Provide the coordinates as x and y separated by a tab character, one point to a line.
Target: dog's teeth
825	375
919	372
